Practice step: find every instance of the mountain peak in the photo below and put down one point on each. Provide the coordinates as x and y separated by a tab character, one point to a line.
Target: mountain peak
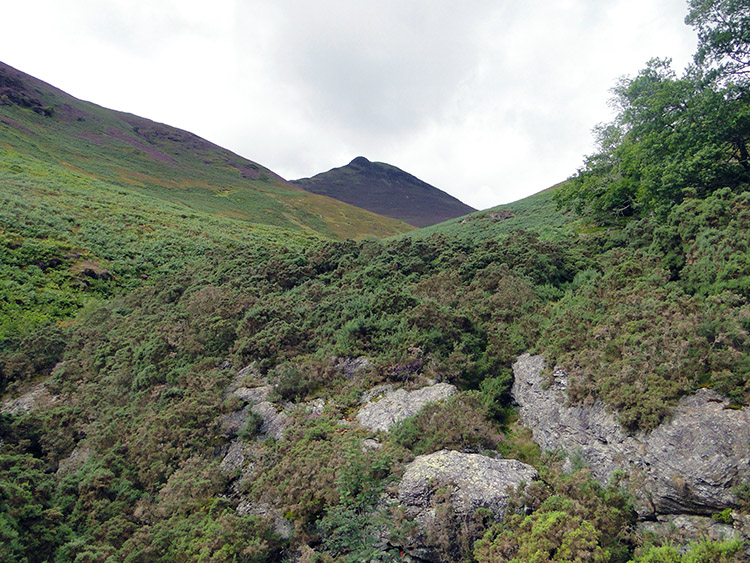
386	190
360	161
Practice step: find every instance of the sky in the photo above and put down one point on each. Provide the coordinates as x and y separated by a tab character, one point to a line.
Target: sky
488	100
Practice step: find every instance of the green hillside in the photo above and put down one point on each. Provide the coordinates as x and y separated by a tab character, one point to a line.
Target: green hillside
45	132
539	213
139	330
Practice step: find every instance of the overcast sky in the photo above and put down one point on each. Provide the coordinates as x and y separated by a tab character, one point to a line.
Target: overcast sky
488	100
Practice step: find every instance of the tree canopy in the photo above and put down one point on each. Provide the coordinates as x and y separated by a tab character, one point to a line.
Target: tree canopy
674	136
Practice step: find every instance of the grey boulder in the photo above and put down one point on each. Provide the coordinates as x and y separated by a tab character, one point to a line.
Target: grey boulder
380	414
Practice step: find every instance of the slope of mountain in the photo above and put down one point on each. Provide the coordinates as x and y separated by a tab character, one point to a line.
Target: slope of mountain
181	385
45	129
386	190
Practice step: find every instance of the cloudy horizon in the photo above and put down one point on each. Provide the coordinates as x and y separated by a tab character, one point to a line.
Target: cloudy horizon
489	101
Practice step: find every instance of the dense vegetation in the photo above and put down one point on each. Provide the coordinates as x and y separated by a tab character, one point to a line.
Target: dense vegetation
137	313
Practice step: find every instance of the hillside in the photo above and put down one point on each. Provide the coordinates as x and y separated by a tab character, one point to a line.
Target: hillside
564	378
386	190
44	131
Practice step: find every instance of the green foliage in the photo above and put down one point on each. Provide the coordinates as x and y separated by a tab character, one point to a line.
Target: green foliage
705	551
496	397
356	527
32	525
672	137
725	516
458	423
252	426
573	519
742	492
309	453
723	42
542	536
668	315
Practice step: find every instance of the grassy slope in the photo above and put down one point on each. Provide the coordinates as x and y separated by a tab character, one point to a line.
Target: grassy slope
137	156
538	213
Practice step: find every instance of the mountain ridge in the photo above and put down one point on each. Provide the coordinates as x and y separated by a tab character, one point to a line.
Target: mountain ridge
44	124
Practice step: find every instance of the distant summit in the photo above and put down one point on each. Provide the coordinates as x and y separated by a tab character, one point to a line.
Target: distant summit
386	190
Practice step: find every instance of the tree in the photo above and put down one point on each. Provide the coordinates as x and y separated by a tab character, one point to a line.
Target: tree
723	28
675	137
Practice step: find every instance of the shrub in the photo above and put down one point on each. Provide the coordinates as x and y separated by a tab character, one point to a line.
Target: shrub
252	426
458	423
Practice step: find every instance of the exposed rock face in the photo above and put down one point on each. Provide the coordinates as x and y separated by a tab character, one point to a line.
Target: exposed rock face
281	525
352	367
398	405
478	481
35	397
77	458
441	491
687	465
253	394
683	529
237	458
275	421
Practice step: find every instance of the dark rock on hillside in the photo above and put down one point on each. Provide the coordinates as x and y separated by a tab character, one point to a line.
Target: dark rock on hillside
386	190
15	91
688	465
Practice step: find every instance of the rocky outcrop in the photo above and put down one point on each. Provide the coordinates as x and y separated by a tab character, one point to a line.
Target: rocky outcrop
681	529
441	492
281	525
275	421
33	398
384	410
476	481
352	367
688	465
238	458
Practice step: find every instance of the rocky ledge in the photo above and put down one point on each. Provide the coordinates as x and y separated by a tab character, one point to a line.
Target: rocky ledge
475	481
688	465
444	490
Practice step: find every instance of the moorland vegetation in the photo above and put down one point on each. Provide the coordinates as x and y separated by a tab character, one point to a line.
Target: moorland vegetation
136	311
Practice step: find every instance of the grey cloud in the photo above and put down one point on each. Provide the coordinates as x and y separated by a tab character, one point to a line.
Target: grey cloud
385	67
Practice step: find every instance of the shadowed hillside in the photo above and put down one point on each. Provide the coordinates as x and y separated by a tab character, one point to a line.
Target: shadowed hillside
386	190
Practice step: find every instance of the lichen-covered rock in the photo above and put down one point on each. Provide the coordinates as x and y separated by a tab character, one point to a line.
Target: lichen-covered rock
281	525
237	458
77	458
351	367
476	481
687	465
441	492
398	405
253	394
